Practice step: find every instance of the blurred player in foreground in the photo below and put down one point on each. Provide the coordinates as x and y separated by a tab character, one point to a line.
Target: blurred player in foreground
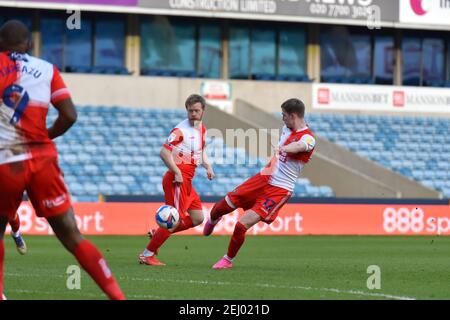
183	150
28	156
263	195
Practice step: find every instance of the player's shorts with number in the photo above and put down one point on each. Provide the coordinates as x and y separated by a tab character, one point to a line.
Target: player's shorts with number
41	177
182	197
259	196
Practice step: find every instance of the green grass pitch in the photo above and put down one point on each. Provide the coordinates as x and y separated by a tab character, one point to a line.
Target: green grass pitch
267	267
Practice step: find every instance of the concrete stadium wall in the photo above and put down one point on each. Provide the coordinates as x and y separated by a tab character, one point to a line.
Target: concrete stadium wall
219	120
169	92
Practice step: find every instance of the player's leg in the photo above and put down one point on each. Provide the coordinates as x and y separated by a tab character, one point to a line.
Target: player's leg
241	197
12	185
86	253
193	218
175	196
51	200
266	209
195	214
3	223
15	233
221	208
248	220
66	230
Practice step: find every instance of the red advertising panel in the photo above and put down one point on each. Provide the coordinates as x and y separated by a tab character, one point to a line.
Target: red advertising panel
294	219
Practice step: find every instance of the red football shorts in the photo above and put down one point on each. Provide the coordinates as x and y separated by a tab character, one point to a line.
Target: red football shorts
42	179
258	195
182	197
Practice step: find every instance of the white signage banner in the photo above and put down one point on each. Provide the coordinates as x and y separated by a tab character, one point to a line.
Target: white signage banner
435	12
380	97
217	93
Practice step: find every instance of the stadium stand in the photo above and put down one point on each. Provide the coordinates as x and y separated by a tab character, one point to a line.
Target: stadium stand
115	151
99	70
352	80
416	147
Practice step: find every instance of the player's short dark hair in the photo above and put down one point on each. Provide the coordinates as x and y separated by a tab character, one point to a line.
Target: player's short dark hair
14	33
294	105
193	99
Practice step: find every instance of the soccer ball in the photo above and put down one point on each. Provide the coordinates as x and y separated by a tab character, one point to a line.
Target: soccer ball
167	217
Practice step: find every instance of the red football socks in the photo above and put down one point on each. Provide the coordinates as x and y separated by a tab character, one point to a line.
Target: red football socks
2	256
93	262
161	234
237	240
15	223
221	208
185	223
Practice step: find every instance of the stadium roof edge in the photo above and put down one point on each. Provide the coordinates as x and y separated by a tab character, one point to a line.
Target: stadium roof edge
206	14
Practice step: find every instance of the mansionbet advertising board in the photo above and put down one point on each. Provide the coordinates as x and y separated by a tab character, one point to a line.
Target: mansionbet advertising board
294	219
380	98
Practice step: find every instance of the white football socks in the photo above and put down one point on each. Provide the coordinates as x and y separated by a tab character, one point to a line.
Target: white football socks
148	253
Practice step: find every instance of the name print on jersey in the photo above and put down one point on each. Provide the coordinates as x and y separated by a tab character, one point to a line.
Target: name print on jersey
31	71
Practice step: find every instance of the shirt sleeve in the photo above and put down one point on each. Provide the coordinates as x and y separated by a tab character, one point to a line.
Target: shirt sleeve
7	77
309	141
58	87
175	138
2	77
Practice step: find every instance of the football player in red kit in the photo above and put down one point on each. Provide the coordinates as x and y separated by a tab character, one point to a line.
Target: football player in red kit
182	152
28	156
263	195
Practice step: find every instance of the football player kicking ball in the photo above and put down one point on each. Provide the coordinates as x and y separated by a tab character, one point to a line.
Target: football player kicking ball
263	195
181	153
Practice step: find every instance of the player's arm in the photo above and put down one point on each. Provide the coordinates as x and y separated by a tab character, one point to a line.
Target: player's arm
67	116
305	144
207	165
61	100
205	159
167	158
169	161
166	154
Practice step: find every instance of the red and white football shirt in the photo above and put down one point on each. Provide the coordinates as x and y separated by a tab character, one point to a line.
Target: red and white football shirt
27	87
187	143
284	169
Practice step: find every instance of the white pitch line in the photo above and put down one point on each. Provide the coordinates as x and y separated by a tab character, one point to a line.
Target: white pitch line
84	294
79	292
48	292
262	285
32	275
266	285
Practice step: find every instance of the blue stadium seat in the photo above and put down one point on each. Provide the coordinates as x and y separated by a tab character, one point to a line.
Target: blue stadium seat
98	158
110	70
293	77
326	191
263	76
300	189
394	138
